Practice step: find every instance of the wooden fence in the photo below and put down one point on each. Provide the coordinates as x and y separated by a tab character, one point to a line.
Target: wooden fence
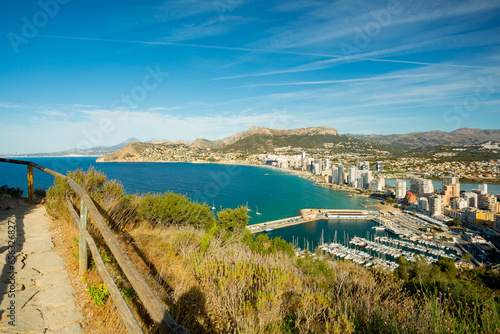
151	303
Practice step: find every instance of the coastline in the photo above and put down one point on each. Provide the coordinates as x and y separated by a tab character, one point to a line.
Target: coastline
244	163
303	174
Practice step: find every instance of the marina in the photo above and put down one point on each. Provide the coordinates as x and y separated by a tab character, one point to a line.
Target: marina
378	254
399	248
358	256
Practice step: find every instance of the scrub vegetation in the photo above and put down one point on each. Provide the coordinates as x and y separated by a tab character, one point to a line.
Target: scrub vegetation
215	277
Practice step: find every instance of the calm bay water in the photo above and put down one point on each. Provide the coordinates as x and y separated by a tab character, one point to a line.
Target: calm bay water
276	193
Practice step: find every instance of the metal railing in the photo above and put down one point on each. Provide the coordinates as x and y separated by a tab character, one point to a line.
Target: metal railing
152	304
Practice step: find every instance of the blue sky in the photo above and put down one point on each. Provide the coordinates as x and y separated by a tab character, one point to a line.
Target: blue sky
85	73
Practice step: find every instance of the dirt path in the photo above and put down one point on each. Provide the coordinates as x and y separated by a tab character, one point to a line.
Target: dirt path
36	295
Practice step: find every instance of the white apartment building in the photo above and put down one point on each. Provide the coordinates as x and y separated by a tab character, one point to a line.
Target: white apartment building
400	189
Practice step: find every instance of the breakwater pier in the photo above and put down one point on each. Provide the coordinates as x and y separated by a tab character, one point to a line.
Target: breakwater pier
309	215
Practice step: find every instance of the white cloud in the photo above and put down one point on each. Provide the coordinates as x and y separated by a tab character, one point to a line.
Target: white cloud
148	124
332	23
83	105
52	113
10	105
163	108
374	78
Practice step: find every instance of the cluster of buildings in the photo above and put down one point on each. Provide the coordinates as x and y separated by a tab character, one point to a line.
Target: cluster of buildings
358	176
465	169
476	208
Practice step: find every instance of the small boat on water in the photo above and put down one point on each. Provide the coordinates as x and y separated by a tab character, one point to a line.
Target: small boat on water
270	229
257	211
213	205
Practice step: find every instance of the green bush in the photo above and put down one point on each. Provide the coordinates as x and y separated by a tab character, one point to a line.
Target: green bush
56	199
233	220
128	294
40	193
263	245
174	209
11	191
98	294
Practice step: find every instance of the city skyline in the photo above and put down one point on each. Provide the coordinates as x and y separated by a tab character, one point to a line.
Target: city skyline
74	72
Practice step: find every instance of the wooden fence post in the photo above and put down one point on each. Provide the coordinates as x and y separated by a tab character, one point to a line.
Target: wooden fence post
31	189
82	244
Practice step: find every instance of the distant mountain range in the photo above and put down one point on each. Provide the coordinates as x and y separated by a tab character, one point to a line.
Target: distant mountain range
259	139
252	138
91	152
463	136
256	139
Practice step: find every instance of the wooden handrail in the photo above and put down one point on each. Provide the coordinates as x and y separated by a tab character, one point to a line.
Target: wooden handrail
153	305
128	318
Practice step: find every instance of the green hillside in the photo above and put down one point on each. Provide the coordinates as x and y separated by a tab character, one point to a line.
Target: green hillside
260	143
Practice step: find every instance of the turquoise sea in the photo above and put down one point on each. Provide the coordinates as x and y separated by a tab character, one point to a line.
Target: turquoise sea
277	194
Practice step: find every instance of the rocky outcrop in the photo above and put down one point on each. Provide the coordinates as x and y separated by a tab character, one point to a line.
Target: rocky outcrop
131	152
255	130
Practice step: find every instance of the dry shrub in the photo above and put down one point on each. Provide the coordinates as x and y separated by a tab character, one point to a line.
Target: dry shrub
187	242
109	196
246	291
371	300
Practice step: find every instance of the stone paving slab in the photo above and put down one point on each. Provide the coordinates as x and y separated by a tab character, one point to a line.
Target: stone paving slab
52	278
71	329
33	245
27	320
45	262
57	295
22	297
28	273
44	301
61	317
